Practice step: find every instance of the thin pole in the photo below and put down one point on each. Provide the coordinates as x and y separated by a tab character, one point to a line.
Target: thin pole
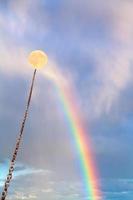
18	141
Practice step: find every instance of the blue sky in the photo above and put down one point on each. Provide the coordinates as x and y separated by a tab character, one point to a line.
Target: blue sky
91	42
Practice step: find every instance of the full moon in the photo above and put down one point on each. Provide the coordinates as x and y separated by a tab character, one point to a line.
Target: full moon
38	59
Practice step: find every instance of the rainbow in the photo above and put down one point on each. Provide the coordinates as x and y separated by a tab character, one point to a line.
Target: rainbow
81	141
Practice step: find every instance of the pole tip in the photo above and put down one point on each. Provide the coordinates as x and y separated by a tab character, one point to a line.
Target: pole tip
38	59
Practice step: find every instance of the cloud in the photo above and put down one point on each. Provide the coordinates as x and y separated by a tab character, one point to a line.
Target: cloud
57	190
122	21
112	76
22	196
18	26
112	58
32	183
20	170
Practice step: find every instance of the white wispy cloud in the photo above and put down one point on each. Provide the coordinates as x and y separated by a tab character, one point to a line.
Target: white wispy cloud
113	59
21	170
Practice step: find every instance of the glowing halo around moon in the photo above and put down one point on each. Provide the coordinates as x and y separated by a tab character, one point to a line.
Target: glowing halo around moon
38	59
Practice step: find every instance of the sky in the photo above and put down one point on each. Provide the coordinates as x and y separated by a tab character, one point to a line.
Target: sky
91	43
